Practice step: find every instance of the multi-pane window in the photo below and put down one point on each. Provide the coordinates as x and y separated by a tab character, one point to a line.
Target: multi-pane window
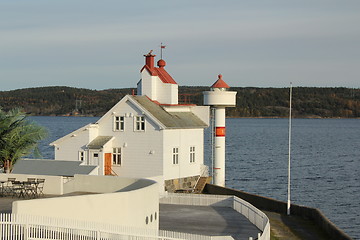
139	123
116	156
192	154
81	156
175	156
119	123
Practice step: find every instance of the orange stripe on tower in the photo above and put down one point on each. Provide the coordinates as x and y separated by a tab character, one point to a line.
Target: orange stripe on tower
220	131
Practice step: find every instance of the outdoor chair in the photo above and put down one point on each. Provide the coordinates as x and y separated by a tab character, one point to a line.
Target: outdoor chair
40	186
30	189
8	188
18	189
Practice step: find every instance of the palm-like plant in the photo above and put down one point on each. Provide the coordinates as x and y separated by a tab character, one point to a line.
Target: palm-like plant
18	137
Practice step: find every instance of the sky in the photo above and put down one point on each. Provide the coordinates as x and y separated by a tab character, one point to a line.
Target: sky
100	44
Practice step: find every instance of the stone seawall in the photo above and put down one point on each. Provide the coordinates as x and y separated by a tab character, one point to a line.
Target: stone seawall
272	205
173	185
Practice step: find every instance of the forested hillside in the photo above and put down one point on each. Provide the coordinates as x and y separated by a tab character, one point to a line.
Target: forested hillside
251	102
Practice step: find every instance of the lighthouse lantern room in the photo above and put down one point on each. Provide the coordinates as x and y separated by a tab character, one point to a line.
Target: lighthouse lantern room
218	98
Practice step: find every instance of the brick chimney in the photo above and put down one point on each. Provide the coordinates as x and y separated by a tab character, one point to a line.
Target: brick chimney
149	60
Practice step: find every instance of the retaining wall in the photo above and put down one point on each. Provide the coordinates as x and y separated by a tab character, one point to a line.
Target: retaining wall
123	201
272	205
53	184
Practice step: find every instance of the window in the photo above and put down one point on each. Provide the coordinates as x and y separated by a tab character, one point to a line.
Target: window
116	156
175	157
119	123
139	123
81	156
96	155
192	154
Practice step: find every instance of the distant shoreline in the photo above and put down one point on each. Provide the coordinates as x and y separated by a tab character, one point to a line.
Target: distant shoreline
308	102
275	117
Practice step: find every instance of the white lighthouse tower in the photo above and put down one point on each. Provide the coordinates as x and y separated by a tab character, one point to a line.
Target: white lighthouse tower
218	98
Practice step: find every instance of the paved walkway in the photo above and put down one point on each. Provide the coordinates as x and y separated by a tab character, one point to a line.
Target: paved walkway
285	227
5	204
204	220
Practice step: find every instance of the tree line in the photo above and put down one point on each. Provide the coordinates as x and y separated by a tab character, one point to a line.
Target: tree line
307	102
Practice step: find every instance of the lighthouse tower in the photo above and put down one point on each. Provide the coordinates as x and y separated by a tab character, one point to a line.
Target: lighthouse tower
218	98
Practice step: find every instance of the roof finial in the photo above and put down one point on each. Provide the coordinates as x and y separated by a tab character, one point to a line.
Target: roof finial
161	49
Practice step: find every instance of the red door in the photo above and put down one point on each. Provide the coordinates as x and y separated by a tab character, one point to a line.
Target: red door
107	167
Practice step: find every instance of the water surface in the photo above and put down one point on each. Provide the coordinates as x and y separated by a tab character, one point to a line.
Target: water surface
325	162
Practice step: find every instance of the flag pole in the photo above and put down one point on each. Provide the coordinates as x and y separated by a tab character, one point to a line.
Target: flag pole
288	200
161	49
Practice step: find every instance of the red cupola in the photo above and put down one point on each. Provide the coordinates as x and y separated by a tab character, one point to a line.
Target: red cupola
220	83
161	63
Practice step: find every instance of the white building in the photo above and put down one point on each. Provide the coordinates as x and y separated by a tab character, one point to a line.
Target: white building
148	135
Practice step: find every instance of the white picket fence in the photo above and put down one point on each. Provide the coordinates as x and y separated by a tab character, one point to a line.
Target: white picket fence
20	227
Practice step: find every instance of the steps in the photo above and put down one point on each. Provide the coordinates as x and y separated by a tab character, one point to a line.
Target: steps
200	185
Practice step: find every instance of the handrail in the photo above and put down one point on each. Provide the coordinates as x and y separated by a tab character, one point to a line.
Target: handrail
204	173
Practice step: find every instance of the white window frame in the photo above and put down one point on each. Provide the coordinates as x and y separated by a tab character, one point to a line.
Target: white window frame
81	156
192	154
139	123
119	123
117	156
175	156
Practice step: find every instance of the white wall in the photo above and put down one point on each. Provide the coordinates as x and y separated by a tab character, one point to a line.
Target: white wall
129	207
155	89
141	150
52	185
203	112
167	93
148	85
183	139
70	147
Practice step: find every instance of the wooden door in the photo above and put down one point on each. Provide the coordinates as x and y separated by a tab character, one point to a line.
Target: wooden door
107	167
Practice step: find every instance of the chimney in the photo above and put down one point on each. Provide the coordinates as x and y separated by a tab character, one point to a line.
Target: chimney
149	59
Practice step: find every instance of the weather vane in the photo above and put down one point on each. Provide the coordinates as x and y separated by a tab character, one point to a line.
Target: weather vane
161	49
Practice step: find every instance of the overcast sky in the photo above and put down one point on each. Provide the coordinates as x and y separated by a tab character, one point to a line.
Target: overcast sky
258	43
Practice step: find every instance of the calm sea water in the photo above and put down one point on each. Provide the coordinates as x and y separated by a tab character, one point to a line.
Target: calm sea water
325	162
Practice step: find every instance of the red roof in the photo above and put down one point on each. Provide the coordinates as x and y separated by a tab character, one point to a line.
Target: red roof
160	72
220	83
164	75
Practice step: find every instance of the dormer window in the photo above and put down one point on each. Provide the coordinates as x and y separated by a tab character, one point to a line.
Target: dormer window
139	123
119	123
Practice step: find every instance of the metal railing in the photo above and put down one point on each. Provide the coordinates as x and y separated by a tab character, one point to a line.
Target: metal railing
254	215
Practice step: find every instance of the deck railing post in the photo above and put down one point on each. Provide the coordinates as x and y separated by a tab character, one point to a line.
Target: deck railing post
98	235
26	231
